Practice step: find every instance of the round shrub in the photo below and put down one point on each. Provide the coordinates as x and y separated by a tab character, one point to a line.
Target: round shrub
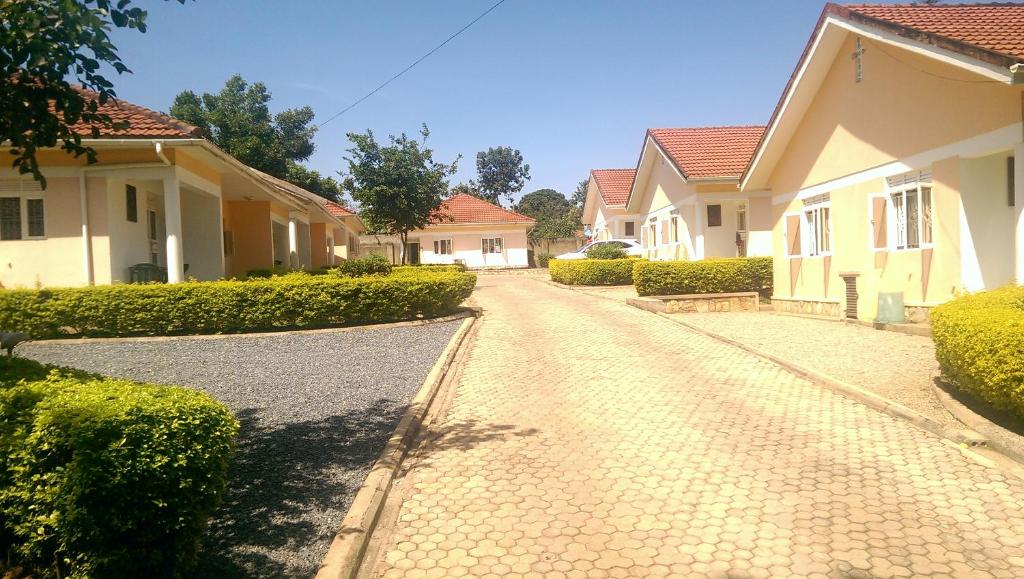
606	251
709	276
979	343
369	265
106	478
592	271
544	259
286	302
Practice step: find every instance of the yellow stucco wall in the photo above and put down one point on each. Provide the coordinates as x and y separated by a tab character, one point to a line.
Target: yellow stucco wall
249	224
900	109
318	250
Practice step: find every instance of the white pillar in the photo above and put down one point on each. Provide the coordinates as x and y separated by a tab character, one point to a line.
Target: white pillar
172	222
1018	207
698	247
330	250
293	243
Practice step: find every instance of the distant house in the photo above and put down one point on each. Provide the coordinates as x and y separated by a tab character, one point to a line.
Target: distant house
687	199
472	231
605	208
161	202
894	160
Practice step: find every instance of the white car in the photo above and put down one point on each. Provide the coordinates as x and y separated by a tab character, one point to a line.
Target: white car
632	247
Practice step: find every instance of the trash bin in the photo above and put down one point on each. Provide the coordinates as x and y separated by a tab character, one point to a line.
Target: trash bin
147	273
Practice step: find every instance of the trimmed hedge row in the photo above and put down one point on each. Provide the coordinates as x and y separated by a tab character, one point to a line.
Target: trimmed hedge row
294	301
592	271
454	267
106	478
709	276
979	343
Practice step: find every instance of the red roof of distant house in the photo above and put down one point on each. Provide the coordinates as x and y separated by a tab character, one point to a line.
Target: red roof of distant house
143	123
338	210
614	184
463	208
709	152
995	27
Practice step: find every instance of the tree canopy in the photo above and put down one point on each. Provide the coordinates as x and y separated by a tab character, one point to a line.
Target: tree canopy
238	120
579	196
501	173
556	216
45	46
397	185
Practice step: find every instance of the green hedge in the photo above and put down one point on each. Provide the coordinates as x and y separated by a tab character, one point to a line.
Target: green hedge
106	478
709	276
454	267
592	271
293	301
979	343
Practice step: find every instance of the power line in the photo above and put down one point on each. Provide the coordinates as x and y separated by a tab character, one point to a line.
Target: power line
411	66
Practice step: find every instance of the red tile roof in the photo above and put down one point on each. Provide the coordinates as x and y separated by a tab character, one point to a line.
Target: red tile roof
995	27
614	184
338	210
709	152
464	208
143	123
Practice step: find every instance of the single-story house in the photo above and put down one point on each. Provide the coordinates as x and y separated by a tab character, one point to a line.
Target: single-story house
685	194
892	160
604	210
161	201
465	229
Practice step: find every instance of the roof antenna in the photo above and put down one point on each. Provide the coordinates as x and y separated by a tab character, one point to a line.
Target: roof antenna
857	55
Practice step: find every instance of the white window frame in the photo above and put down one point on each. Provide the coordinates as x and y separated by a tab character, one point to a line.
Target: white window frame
898	234
23	199
652	234
500	240
673	232
742	216
440	244
812	227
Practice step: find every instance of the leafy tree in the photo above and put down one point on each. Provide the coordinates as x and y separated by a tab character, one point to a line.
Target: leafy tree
579	196
45	46
397	186
238	120
544	204
501	173
467	189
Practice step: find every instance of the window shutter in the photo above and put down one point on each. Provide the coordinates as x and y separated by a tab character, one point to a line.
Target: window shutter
793	234
879	223
664	231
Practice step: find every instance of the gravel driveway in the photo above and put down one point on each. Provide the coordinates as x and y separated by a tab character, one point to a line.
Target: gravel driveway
316	409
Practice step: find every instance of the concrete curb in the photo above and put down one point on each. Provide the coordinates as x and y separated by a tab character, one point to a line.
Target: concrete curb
465	312
890	407
347	550
976	422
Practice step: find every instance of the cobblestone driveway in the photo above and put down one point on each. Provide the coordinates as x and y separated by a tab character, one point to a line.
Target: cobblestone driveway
590	439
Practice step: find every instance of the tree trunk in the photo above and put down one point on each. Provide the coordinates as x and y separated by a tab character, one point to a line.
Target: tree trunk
403	236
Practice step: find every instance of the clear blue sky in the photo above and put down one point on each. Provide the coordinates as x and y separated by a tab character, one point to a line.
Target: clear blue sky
573	84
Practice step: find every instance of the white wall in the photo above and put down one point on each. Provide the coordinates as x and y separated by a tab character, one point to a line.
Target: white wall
467	247
129	241
987	223
201	235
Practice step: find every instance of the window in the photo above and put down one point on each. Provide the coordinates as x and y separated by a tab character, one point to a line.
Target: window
674	229
22	218
229	244
912	215
152	225
741	217
10	218
491	245
443	246
131	203
818	230
630	229
652	235
714	215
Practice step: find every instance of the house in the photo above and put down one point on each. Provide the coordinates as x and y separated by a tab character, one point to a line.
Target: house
604	211
160	198
892	158
465	229
686	196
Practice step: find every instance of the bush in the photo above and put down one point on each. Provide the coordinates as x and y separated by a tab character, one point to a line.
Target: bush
263	273
369	265
544	259
444	267
106	478
293	301
592	271
979	343
606	251
709	276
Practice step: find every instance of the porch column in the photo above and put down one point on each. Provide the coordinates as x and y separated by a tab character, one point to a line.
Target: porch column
1018	208
330	250
293	243
172	223
698	218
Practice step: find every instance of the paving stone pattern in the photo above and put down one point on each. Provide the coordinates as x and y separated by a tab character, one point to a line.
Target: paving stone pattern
591	439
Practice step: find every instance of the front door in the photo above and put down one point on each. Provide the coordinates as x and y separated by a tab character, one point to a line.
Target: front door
413	250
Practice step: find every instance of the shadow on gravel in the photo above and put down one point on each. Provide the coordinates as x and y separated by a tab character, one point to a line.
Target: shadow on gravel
281	473
1004	420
